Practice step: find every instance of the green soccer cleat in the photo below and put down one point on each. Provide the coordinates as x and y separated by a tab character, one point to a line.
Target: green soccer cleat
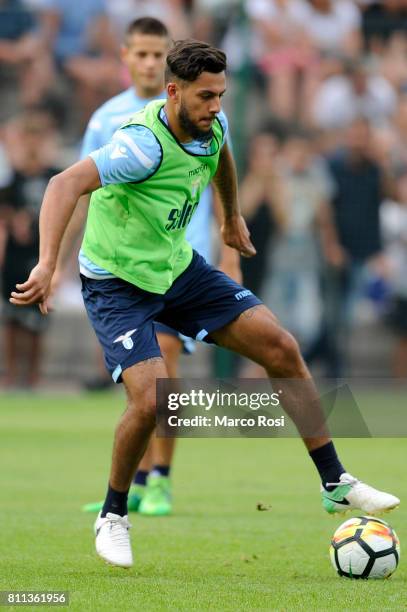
157	498
351	494
93	507
136	494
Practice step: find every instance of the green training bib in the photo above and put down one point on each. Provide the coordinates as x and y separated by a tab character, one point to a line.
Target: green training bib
136	231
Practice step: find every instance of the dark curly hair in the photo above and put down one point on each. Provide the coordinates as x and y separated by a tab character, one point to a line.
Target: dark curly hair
187	59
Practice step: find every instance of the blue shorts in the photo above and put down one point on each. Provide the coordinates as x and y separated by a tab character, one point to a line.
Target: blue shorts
201	300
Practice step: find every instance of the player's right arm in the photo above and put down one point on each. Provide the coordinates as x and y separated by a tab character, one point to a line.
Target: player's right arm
132	155
93	139
60	198
95	136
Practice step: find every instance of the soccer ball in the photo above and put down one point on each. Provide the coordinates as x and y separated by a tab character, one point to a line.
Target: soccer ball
365	547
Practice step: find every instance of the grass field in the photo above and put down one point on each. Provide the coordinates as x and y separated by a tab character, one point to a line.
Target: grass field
217	552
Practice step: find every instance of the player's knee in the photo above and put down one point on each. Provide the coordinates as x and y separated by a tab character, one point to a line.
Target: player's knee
144	409
285	354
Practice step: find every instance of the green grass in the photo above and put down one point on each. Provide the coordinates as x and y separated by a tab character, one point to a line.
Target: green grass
217	552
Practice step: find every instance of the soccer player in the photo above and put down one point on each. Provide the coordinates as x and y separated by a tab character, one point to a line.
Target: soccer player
141	204
144	51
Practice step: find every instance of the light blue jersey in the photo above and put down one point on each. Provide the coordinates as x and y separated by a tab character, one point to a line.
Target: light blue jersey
133	154
110	116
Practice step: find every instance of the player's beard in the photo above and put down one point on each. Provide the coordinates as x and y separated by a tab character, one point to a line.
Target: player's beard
190	127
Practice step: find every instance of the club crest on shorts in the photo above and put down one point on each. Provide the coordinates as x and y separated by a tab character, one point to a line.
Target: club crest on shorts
126	339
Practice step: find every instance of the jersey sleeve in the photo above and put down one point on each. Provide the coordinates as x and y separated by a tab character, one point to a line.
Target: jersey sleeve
132	155
225	126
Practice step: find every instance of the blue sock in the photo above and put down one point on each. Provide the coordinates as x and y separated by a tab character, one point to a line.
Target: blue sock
115	502
161	470
327	463
140	478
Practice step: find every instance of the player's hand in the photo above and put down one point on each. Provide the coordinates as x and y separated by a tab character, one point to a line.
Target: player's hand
56	282
35	290
236	235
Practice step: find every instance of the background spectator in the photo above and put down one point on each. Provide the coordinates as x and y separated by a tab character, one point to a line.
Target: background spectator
333	26
171	12
394	224
354	92
383	19
262	205
211	19
20	202
85	48
359	189
23	51
283	52
293	292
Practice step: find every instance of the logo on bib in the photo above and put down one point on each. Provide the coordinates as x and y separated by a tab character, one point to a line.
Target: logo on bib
203	167
126	339
179	218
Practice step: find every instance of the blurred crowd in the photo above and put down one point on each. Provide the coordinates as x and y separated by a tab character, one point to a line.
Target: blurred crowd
317	106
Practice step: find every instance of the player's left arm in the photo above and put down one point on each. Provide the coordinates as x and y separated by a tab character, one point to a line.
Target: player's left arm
234	230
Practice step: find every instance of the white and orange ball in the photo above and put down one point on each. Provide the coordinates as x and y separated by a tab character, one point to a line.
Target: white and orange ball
365	547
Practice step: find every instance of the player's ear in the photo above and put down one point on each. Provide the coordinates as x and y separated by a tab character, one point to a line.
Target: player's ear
173	91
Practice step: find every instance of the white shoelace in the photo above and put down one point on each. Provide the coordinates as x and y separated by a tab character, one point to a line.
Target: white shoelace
348	480
119	527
